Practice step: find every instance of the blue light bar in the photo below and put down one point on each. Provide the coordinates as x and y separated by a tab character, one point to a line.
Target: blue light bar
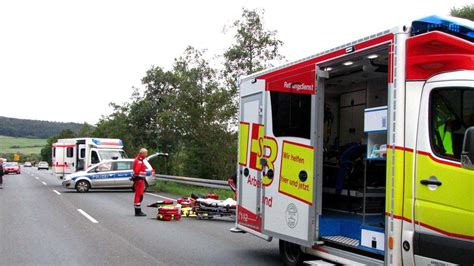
462	28
109	142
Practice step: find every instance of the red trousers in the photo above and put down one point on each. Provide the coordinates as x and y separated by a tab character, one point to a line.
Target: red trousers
139	186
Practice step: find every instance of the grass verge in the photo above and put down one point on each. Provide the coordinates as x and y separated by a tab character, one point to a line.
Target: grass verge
184	190
22	145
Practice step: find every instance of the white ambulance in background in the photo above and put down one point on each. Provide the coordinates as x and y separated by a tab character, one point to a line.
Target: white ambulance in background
77	154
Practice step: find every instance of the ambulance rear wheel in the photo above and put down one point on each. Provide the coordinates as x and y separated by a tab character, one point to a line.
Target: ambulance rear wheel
290	253
83	186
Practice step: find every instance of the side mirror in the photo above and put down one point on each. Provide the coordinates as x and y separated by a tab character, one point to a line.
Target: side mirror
467	155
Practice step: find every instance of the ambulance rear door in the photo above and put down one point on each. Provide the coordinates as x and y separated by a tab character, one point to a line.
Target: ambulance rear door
251	134
70	151
58	159
289	180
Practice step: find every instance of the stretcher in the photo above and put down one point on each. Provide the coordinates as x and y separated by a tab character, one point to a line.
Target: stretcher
207	208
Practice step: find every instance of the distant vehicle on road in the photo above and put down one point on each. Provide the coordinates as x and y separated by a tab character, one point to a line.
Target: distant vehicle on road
11	167
107	174
73	155
43	165
27	164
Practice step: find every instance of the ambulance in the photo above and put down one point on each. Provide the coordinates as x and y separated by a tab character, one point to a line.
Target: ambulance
364	154
77	154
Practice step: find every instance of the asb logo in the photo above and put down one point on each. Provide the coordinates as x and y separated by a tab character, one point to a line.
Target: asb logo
261	147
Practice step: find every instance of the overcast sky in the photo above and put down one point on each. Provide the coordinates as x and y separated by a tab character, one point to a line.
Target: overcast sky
67	60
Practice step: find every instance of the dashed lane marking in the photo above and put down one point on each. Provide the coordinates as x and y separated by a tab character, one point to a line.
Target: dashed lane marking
57	192
87	216
44	183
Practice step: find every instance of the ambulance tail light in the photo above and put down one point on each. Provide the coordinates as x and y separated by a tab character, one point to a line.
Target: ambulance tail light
462	28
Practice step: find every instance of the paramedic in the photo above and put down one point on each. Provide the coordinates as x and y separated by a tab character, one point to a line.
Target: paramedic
139	175
350	153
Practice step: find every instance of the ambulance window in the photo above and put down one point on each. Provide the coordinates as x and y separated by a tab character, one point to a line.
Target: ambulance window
69	153
94	157
291	114
82	153
54	152
451	113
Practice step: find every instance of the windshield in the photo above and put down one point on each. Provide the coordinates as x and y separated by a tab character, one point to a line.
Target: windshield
11	164
112	154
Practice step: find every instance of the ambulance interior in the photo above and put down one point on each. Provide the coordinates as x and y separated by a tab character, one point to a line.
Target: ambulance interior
354	154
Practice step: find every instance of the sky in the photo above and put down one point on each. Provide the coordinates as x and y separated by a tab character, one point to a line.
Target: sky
66	61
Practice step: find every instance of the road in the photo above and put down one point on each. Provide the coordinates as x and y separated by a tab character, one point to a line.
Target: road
43	223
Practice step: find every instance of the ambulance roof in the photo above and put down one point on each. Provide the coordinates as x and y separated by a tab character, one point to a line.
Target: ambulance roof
460	27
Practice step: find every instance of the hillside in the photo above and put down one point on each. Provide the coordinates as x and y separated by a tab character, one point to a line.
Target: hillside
38	129
21	145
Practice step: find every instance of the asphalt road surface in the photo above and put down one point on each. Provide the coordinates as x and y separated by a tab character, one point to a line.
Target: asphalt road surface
44	223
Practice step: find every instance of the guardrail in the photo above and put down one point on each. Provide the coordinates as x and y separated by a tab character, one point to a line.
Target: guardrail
195	181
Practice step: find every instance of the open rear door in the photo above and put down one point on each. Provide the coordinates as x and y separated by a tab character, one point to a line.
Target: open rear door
251	133
289	198
58	159
70	159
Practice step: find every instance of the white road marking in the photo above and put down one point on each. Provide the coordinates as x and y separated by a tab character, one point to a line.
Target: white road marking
57	192
44	183
87	216
156	195
36	178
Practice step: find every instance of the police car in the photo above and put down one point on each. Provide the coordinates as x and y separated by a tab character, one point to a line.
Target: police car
107	174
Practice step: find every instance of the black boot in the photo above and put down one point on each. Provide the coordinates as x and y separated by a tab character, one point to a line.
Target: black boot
138	212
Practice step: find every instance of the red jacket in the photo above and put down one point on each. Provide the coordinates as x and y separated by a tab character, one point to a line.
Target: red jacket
139	167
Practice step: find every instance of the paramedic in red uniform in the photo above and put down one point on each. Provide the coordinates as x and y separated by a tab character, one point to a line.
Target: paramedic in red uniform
139	175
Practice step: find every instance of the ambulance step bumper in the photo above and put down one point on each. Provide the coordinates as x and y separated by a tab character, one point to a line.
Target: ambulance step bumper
342	240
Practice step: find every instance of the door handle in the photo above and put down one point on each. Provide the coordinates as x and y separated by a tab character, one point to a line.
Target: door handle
427	182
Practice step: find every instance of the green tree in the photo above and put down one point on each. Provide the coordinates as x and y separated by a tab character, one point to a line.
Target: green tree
185	112
117	125
204	109
46	152
466	12
86	131
160	114
254	48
